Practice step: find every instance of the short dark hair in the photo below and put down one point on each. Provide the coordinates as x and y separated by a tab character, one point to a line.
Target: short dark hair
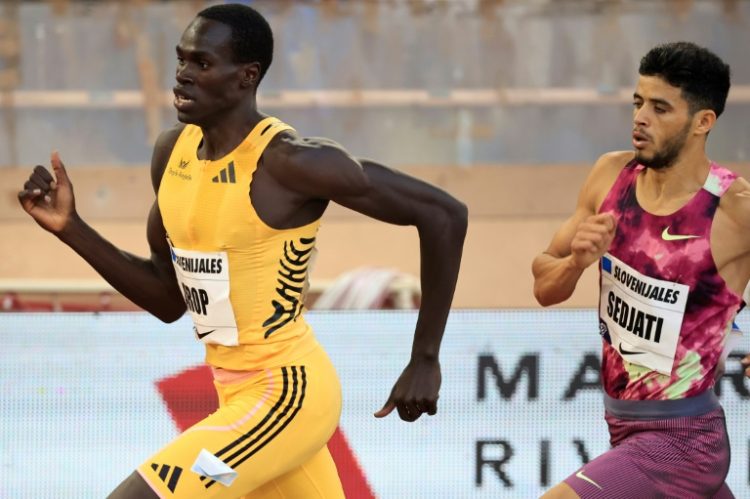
701	75
252	38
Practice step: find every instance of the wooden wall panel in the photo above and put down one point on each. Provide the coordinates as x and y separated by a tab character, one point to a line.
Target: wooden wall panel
514	211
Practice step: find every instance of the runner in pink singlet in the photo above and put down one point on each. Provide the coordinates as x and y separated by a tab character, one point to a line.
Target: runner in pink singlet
669	229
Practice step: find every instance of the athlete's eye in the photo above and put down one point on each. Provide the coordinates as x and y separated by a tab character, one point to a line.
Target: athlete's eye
659	110
203	65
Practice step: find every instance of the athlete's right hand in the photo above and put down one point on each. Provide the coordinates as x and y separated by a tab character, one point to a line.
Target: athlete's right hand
592	239
49	201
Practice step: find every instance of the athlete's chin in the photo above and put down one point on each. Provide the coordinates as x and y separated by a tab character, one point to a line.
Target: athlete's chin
642	158
186	118
649	161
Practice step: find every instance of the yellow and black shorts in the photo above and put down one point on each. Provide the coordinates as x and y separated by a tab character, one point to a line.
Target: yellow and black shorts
267	439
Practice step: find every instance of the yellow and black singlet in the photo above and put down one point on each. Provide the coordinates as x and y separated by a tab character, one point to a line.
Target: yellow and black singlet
243	281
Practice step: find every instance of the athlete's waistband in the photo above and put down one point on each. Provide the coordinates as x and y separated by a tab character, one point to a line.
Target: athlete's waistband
662	409
249	357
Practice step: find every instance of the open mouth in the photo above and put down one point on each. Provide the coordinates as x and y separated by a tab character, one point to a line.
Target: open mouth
182	102
639	140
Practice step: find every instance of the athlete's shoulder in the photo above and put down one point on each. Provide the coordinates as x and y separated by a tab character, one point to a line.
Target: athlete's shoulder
314	166
735	202
612	163
603	176
168	138
163	146
290	142
740	187
288	149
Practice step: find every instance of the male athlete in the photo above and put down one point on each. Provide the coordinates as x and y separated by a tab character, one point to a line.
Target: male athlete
239	197
670	231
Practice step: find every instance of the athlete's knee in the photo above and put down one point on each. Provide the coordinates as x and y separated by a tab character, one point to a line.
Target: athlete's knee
133	487
561	491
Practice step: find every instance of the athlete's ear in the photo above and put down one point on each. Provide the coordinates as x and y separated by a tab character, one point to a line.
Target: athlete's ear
704	121
250	74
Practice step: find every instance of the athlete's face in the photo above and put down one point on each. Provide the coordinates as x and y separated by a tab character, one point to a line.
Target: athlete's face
209	82
662	122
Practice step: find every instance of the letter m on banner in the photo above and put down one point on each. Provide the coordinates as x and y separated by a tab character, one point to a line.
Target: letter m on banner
528	365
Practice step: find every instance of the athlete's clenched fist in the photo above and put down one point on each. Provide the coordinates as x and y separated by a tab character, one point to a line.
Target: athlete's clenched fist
49	200
592	239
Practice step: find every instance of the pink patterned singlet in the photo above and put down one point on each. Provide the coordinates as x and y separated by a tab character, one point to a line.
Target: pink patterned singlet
665	312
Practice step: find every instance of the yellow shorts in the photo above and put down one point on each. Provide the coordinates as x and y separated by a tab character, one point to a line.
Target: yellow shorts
267	439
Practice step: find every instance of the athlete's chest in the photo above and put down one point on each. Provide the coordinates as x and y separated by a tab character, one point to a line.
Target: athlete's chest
674	246
278	205
207	205
667	250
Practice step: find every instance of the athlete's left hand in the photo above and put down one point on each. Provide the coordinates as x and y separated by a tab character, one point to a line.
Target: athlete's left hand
415	391
746	363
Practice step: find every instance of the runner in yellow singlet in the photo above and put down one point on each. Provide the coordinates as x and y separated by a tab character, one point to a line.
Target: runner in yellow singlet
239	196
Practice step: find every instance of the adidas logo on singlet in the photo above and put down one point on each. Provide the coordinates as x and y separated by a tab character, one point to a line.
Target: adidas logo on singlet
164	475
226	175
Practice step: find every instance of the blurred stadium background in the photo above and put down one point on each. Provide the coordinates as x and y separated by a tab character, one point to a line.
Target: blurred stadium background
503	103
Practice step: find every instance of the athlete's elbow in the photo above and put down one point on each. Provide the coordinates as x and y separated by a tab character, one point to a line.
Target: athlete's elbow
539	296
543	300
455	218
170	318
460	215
544	296
169	314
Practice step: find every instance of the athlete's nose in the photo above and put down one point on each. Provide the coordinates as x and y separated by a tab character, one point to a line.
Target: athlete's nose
182	74
640	116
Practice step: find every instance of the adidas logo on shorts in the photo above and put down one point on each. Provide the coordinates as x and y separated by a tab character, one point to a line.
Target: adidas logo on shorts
169	478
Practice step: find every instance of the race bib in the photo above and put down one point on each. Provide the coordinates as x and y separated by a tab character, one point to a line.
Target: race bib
640	316
204	282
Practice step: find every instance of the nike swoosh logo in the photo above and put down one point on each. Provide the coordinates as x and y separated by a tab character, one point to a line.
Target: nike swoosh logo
203	335
674	237
587	479
626	352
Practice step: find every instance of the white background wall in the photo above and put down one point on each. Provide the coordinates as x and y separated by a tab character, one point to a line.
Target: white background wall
79	408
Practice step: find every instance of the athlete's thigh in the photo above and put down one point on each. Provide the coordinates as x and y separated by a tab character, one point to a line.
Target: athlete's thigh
657	463
613	476
315	479
265	427
616	474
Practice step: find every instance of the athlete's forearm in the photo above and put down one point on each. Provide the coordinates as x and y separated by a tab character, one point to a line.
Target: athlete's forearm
441	240
136	278
555	278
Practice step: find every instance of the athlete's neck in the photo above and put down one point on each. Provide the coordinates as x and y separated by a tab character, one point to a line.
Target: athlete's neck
224	135
684	178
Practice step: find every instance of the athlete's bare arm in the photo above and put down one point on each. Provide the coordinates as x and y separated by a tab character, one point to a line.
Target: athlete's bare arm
582	239
149	283
730	236
319	169
730	240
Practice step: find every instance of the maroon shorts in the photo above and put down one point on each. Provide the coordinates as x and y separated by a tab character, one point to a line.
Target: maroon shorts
675	457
